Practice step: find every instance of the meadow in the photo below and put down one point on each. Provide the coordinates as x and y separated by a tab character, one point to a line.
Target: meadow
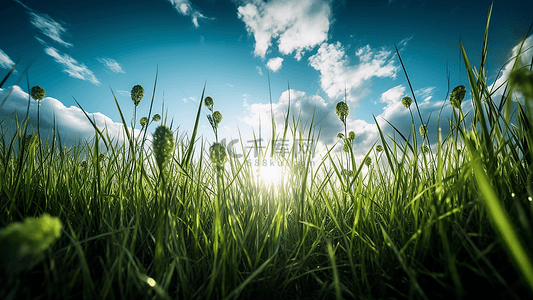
163	219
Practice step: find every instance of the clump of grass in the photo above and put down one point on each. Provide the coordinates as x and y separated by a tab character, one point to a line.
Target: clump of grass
430	221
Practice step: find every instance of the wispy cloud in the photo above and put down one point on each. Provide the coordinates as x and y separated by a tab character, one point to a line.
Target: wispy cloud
185	8
185	100
124	93
393	95
71	66
298	26
337	74
425	93
403	43
47	26
111	64
54	30
5	60
274	64
259	70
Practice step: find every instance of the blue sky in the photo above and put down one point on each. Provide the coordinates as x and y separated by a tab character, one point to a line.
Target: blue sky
321	48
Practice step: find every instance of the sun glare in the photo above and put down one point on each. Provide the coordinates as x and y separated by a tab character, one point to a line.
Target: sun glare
270	175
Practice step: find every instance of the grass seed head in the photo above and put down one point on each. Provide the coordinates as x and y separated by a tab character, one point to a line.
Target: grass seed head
137	94
346	147
522	80
406	101
37	93
351	136
208	102
217	154
423	130
143	121
163	146
348	173
217	117
340	135
424	149
368	161
379	148
22	243
342	110
156	118
457	95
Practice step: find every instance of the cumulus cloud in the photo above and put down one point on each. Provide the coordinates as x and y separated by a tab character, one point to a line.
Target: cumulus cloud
297	26
71	123
337	74
525	57
185	8
71	66
303	108
5	60
274	64
111	64
303	105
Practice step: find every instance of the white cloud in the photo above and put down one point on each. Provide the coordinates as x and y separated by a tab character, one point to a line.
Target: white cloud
393	95
274	64
303	106
298	26
337	74
111	64
124	93
71	123
245	100
71	66
5	60
259	70
403	43
425	93
47	26
525	59
185	100
185	8
326	121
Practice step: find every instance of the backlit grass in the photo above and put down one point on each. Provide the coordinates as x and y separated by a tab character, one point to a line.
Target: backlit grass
180	218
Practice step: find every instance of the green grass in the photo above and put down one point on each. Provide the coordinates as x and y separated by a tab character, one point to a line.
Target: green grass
452	221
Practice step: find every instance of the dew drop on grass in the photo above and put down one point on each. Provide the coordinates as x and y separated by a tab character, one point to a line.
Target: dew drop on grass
151	282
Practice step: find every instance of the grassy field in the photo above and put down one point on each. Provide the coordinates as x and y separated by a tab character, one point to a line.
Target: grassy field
162	219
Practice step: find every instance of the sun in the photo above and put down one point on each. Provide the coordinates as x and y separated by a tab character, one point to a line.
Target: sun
270	175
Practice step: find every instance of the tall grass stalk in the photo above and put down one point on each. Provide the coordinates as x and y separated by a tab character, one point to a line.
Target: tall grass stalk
416	223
